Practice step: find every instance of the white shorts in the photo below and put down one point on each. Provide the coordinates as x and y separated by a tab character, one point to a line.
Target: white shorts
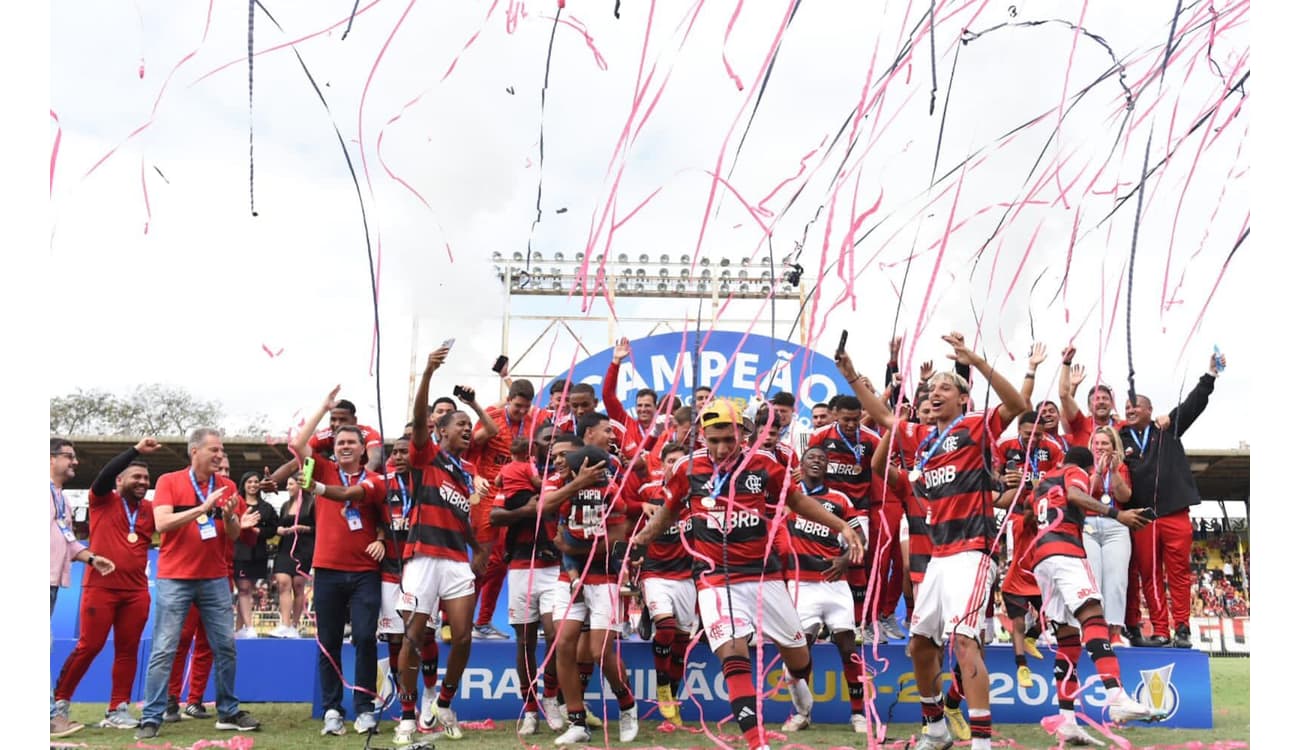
426	581
390	623
1066	583
532	592
953	596
598	601
665	596
818	603
732	612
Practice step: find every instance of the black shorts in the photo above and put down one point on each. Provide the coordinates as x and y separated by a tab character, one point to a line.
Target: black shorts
1018	606
251	570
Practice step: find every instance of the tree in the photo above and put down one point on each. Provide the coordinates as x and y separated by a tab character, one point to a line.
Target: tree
149	410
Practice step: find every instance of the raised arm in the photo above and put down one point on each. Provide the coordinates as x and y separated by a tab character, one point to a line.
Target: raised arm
586	477
487	427
1182	416
1013	404
880	460
609	386
107	477
802	505
420	434
1071	376
301	444
1037	356
871	404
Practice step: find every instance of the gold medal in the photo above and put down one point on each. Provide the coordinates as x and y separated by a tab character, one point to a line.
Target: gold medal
202	519
132	538
914	475
708	502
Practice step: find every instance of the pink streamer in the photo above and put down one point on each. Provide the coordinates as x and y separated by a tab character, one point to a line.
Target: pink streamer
54	152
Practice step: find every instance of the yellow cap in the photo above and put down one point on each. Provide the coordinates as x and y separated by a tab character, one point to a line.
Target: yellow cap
721	411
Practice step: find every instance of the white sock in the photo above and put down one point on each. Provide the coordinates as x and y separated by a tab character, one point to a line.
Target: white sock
937	729
1068	715
1113	694
981	743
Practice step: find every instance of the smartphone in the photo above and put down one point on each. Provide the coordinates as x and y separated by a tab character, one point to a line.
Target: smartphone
844	340
500	367
462	393
1149	513
447	344
308	468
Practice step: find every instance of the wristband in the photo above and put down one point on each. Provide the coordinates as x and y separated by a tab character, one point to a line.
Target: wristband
318	489
1112	512
1029	376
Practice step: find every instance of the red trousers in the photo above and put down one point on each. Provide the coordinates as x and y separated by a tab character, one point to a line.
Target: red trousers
489	584
884	559
1162	555
125	611
200	667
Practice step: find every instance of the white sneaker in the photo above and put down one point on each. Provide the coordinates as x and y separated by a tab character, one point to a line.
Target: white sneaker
426	711
405	732
367	723
796	722
801	696
119	718
285	631
574	735
1072	734
554	714
934	743
859	724
627	725
528	725
333	724
450	725
1123	708
248	631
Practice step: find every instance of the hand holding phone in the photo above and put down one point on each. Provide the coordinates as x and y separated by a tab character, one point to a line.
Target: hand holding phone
500	366
844	340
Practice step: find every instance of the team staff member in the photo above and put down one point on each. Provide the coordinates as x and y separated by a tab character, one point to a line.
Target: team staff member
638	428
190	509
121	523
436	569
64	549
951	475
350	533
1163	481
1101	403
725	492
344	412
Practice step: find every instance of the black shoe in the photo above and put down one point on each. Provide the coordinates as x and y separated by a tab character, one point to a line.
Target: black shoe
172	714
1159	641
147	731
1182	637
241	721
197	711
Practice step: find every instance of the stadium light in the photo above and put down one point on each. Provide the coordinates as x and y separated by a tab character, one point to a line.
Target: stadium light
637	275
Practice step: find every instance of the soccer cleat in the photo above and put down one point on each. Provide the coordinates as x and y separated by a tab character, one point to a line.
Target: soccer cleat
1072	734
593	721
1031	648
366	723
554	714
528	724
574	735
1024	677
859	724
197	711
119	718
1122	709
934	743
445	633
668	706
488	633
427	718
796	722
450	725
172	713
627	725
333	724
146	731
404	734
801	697
240	721
62	726
958	727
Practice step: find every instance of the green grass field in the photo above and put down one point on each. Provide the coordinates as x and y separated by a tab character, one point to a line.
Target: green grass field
288	725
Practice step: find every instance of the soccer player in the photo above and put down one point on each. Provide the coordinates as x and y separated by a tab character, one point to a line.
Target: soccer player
437	570
121	524
951	475
1070	598
724	493
639	428
351	528
816	580
668	591
193	510
344	412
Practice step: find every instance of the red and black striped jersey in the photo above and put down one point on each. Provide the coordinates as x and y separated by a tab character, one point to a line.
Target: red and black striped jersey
1060	524
439	524
848	463
1039	456
813	545
919	546
955	478
399	508
665	556
726	514
585	518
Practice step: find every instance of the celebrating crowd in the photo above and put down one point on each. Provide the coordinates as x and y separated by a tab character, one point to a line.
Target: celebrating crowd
725	519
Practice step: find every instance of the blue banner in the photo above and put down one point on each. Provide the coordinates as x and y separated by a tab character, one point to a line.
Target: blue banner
735	365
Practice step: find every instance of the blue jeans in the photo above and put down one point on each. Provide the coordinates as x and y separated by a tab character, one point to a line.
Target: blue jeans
337	593
173	598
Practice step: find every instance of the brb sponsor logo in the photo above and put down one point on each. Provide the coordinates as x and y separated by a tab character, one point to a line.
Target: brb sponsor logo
1158	691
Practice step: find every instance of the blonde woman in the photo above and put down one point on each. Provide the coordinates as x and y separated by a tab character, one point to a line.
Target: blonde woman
1107	541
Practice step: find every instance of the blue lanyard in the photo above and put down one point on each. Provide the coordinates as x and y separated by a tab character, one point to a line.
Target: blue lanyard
1105	484
1031	458
60	505
198	492
813	491
465	476
1146	438
718	481
343	477
856	446
130	517
937	440
519	432
406	497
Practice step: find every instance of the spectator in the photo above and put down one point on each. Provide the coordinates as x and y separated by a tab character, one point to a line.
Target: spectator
293	558
251	560
1107	541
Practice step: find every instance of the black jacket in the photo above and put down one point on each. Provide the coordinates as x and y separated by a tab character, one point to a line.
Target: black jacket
265	530
1162	477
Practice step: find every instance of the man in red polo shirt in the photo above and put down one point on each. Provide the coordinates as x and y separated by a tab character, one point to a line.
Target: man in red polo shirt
638	428
121	526
193	510
1101	403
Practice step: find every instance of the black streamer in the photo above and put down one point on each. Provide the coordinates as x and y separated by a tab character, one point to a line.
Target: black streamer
541	141
252	206
346	31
